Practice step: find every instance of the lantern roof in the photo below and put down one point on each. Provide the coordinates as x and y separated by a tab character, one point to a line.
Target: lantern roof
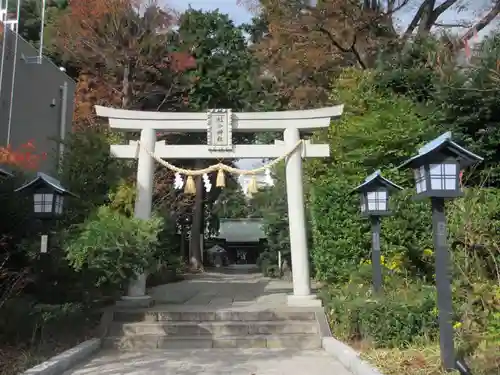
442	145
42	180
374	181
5	173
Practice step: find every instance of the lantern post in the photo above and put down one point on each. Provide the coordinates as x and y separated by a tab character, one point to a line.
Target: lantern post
374	195
437	176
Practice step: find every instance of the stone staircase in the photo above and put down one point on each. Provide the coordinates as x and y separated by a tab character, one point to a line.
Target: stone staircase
157	328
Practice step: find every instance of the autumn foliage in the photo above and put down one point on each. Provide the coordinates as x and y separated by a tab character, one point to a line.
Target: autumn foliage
24	156
91	90
122	48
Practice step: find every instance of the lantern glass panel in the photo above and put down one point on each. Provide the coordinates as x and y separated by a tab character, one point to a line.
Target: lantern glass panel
59	204
363	203
377	200
420	179
43	202
443	176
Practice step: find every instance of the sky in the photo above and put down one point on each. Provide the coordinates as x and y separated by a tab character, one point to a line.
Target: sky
237	12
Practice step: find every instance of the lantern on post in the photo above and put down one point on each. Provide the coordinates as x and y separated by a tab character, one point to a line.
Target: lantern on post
48	200
374	195
437	169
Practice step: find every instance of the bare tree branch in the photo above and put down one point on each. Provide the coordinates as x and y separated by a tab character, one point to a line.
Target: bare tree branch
450	25
351	49
483	22
426	17
440	9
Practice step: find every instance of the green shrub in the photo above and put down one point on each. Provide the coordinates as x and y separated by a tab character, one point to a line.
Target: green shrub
268	264
90	171
395	319
23	319
113	245
377	130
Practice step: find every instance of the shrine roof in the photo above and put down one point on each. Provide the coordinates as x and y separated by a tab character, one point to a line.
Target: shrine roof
241	230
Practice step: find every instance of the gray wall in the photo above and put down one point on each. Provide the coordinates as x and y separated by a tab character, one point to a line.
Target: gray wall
37	102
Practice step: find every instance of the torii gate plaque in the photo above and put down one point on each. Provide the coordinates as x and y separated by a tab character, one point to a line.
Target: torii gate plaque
219	125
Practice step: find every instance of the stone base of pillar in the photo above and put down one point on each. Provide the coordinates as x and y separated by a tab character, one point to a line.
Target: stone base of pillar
137	302
303	301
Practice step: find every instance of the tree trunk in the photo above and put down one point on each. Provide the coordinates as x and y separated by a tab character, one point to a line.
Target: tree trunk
127	86
196	226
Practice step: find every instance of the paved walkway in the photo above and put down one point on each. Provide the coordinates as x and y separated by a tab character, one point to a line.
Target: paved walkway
215	362
226	291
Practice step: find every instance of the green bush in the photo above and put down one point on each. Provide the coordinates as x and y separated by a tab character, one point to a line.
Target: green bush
90	172
24	319
377	130
268	264
395	319
113	245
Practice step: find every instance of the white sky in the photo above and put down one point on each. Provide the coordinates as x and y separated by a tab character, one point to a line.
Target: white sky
238	13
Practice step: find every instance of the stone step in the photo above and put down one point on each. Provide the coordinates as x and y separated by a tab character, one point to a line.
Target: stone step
213	328
197	316
151	342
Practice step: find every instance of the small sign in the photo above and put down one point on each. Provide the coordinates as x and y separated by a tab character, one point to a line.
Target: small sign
376	241
219	130
44	243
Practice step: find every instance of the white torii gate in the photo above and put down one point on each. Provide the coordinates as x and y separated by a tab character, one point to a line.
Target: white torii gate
219	125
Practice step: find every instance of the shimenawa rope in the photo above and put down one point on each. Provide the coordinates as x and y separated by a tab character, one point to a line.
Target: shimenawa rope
220	168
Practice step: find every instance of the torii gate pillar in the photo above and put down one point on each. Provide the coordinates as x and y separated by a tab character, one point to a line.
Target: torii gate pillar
219	124
297	225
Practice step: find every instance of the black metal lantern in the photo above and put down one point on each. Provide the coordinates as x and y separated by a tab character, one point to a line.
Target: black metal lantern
374	194
48	195
437	167
437	175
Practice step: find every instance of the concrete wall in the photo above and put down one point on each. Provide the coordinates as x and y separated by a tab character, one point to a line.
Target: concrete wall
37	101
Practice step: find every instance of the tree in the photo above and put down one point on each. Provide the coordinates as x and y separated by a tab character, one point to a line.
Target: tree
91	90
24	157
124	41
305	45
270	204
231	203
30	16
226	75
88	170
469	104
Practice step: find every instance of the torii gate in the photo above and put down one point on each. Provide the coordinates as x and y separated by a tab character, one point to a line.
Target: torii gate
219	125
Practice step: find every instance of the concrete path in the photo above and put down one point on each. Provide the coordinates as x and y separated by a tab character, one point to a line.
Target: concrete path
214	362
221	291
225	290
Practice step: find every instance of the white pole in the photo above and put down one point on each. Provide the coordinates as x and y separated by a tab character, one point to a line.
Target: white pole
136	295
3	19
297	226
42	27
14	65
62	129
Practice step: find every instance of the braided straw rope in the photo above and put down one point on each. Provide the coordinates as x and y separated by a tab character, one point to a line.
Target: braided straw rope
220	166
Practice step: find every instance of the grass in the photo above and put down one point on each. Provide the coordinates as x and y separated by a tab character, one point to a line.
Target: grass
425	360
